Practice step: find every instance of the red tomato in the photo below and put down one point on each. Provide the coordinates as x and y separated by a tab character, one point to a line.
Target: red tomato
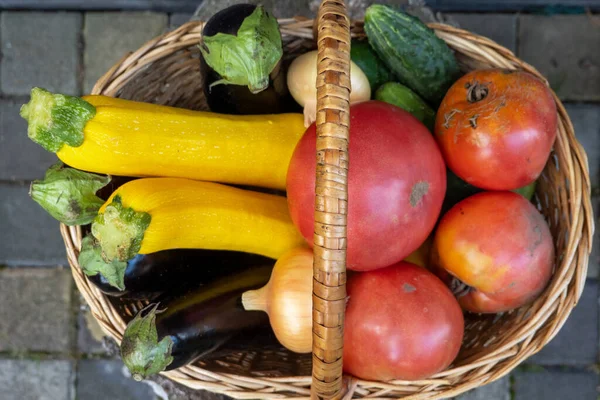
496	128
402	322
396	185
500	246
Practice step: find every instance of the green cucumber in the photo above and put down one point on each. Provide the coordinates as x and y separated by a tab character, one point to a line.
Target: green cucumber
458	190
526	191
412	52
399	95
363	55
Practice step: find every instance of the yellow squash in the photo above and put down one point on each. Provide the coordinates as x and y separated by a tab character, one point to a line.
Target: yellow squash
153	214
121	137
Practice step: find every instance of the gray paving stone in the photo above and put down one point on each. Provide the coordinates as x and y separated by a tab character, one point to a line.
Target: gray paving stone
35	311
176	20
36	380
90	335
189	5
501	28
91	339
110	35
514	5
118	5
20	158
497	390
40	49
28	235
564	49
107	379
586	121
549	385
570	346
279	8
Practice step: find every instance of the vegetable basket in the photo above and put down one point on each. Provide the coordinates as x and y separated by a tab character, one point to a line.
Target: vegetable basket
167	70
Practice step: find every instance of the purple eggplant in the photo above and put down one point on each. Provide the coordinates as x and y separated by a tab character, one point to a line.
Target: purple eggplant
230	98
179	328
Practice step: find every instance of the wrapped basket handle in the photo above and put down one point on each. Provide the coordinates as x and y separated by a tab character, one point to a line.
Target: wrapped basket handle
331	198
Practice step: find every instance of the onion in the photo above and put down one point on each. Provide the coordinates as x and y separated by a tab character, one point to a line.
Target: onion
302	81
287	299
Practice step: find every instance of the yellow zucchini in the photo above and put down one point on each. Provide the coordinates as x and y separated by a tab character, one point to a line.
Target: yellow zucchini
152	214
121	137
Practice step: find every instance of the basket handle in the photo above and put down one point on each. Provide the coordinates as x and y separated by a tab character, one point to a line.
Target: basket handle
331	198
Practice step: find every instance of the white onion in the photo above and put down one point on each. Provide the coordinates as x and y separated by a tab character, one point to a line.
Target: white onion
302	81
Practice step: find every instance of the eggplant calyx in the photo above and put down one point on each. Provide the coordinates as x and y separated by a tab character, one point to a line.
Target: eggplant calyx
141	351
91	262
120	230
56	119
249	57
68	194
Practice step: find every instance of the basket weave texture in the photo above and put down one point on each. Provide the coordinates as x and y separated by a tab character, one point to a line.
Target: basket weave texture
167	70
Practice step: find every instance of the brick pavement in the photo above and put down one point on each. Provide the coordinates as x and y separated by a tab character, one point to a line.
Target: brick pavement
51	348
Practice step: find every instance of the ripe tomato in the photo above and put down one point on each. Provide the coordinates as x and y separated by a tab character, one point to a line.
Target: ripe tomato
496	128
500	246
396	185
401	322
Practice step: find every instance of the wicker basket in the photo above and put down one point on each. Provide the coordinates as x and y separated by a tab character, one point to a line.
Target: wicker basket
167	70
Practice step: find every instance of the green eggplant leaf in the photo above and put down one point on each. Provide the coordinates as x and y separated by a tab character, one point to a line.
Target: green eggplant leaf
247	58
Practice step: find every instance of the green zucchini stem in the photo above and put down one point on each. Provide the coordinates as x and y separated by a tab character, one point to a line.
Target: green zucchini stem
120	231
141	351
56	119
68	194
91	262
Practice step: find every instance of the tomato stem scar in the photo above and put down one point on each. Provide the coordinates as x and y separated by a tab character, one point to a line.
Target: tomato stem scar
476	91
473	121
448	117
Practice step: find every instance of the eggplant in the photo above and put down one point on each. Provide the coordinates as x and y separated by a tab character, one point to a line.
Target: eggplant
236	98
147	276
228	20
180	328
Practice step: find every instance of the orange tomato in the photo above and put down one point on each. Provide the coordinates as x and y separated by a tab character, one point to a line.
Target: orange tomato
495	251
496	128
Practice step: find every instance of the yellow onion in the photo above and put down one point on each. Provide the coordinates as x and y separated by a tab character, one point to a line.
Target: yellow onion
421	255
287	299
302	80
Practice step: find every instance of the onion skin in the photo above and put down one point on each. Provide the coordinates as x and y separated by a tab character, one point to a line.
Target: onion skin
287	299
302	78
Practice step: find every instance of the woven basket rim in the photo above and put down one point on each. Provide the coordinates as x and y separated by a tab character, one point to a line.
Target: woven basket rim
552	309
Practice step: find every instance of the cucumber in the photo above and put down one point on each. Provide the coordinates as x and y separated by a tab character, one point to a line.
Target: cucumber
399	95
412	52
458	190
363	55
526	191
